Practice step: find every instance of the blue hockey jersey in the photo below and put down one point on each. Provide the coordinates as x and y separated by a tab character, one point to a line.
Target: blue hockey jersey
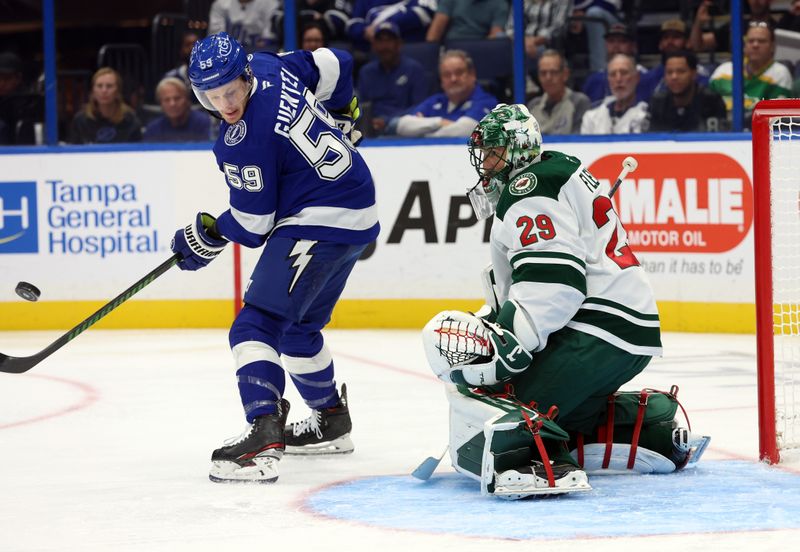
290	170
413	17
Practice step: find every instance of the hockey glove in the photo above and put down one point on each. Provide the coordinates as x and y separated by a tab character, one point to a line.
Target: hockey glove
346	119
198	243
467	350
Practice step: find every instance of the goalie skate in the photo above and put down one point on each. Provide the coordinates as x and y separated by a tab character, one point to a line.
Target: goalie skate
253	456
532	481
687	448
326	431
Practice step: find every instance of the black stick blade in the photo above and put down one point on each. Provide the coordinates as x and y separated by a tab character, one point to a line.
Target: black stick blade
17	365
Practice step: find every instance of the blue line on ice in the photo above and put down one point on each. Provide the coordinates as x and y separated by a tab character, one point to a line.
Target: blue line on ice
712	497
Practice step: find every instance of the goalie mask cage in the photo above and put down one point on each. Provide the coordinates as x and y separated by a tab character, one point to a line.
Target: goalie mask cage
776	182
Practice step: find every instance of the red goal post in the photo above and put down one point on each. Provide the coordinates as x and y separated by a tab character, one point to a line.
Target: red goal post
776	183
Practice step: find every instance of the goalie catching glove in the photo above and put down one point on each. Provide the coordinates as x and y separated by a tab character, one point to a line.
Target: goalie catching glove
466	350
198	243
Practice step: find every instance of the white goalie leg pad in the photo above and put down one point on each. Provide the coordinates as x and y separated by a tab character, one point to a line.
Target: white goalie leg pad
264	469
468	417
646	462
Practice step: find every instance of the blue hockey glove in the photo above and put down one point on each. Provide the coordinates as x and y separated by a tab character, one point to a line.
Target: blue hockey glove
198	243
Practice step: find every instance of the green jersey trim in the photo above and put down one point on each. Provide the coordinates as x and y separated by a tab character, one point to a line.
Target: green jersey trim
546	254
625	330
623	308
563	274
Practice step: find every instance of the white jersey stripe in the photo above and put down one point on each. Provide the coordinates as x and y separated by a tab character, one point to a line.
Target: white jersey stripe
333	217
255	224
328	73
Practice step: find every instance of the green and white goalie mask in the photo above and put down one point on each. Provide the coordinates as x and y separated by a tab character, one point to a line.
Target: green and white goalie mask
506	139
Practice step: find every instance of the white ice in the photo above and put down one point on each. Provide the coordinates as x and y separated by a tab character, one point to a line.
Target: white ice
106	446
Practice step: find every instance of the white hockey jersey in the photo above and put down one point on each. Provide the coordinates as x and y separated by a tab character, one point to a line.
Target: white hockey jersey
561	258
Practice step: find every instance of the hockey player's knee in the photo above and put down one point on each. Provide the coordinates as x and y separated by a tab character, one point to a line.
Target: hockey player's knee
254	324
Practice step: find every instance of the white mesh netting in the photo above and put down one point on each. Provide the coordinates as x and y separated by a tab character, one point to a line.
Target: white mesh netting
785	208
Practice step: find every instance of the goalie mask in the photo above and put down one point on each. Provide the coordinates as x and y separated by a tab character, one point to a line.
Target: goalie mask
507	138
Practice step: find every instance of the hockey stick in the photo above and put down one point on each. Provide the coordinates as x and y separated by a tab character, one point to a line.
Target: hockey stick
428	466
18	365
629	165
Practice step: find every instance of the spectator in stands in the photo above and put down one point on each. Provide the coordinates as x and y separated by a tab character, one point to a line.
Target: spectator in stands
392	83
608	12
673	39
545	25
790	20
333	15
707	37
179	123
764	78
16	104
618	40
314	35
684	105
620	113
412	17
106	118
180	71
248	21
559	110
459	20
457	110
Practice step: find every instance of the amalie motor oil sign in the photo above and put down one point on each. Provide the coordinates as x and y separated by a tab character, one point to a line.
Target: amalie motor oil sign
682	202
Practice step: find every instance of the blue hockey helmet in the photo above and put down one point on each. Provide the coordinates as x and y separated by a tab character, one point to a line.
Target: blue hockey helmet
216	60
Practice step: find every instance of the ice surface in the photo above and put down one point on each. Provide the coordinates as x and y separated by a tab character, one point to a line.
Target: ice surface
106	446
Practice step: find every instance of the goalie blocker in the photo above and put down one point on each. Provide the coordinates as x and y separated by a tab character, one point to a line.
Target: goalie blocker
516	451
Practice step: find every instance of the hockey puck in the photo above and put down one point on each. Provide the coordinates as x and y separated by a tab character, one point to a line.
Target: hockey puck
27	291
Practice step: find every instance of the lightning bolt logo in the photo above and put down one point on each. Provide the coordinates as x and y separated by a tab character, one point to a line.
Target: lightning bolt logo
300	254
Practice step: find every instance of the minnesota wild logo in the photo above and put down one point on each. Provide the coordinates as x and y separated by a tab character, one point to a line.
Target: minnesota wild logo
523	184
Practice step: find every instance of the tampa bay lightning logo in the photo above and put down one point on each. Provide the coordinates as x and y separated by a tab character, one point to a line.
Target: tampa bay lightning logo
235	133
224	46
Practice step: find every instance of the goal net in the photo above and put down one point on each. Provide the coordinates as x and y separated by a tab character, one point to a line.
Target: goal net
776	181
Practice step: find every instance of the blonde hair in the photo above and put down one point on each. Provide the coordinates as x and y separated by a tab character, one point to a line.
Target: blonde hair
171	81
92	110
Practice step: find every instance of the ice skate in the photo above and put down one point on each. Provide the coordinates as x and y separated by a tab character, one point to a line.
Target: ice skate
253	456
326	431
528	481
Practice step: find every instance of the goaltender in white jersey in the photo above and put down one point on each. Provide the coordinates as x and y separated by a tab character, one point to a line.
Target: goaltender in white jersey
533	379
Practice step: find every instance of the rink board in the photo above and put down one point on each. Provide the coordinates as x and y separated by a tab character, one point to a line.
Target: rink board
84	224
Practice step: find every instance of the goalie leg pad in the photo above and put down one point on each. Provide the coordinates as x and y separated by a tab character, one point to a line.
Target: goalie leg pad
490	442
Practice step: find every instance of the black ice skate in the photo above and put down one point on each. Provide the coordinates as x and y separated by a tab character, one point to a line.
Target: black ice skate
326	431
253	456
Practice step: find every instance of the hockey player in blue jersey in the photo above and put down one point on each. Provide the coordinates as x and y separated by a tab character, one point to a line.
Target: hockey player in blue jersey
297	183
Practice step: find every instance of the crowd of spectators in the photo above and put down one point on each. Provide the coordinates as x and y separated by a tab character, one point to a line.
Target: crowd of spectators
584	72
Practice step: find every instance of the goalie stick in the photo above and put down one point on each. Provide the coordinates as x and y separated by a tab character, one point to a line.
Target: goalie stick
629	165
425	470
18	365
